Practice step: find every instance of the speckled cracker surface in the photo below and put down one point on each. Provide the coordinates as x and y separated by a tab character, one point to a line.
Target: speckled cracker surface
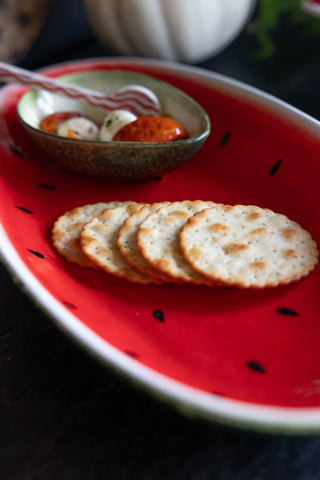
158	240
98	241
127	241
247	246
67	229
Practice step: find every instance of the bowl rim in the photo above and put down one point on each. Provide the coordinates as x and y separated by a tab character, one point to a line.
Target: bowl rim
113	72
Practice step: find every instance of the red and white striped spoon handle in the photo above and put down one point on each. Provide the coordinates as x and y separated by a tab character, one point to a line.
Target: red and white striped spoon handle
135	98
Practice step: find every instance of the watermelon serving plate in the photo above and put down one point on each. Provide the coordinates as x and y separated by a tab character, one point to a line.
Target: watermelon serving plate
248	358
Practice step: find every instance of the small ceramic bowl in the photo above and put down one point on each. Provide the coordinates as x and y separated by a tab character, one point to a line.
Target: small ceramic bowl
131	160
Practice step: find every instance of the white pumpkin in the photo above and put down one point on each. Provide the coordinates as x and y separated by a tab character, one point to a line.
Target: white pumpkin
180	30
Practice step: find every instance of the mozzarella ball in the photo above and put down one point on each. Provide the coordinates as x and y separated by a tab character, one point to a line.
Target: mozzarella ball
113	122
80	128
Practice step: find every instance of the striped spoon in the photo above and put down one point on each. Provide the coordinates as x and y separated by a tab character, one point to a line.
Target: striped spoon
138	99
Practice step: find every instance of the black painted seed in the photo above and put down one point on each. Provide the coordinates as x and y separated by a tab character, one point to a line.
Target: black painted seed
46	186
287	311
225	138
158	179
69	304
217	394
158	315
25	210
273	170
16	151
131	354
37	254
257	367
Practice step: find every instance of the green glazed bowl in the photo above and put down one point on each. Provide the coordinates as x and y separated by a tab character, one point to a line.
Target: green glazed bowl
126	160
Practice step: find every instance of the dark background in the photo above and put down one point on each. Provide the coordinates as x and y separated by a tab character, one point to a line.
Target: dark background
64	416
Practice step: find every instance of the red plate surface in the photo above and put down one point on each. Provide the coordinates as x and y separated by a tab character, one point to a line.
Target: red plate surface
257	348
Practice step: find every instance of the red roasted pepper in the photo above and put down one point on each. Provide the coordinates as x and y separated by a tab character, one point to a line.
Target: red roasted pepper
152	129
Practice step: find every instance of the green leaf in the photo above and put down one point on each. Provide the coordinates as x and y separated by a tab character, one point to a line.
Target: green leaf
268	17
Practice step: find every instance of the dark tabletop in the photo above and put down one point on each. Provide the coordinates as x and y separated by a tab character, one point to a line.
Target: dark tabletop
63	416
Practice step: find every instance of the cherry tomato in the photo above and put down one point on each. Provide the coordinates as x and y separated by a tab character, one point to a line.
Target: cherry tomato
151	129
50	123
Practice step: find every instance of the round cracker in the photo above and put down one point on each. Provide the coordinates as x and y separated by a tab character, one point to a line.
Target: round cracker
247	246
66	230
158	240
98	241
127	241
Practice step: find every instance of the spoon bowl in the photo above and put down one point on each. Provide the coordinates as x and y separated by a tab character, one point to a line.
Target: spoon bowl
128	160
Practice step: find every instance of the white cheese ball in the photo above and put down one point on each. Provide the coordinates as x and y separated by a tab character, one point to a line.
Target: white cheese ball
79	127
113	122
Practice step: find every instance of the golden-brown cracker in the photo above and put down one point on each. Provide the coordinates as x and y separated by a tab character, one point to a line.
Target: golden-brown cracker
158	240
247	246
127	241
66	230
98	241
